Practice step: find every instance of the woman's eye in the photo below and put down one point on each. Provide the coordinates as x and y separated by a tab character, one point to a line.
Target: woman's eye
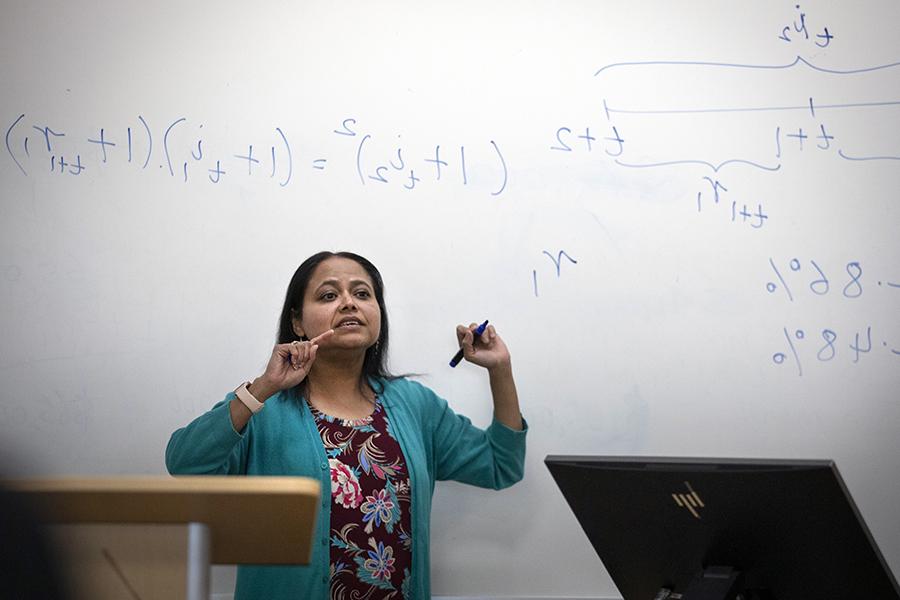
329	296
362	294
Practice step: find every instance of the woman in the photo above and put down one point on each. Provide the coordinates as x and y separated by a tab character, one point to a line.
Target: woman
326	407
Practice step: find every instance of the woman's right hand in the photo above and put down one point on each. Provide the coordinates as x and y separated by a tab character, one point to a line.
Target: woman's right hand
288	366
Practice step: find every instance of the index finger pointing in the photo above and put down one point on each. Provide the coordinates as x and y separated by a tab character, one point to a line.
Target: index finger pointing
322	336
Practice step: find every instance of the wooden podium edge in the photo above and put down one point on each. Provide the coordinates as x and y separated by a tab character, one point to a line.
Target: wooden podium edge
252	519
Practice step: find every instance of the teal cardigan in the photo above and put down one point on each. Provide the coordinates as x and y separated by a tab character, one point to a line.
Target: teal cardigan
282	439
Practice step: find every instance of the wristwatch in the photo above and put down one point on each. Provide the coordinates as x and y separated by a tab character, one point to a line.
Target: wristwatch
244	395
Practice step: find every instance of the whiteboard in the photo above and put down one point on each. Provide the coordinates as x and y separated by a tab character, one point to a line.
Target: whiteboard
682	220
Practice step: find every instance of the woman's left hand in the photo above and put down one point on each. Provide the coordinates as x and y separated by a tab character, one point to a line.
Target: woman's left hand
487	350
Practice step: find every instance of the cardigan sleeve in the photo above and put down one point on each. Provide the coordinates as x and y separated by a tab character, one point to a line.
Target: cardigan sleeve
492	458
209	445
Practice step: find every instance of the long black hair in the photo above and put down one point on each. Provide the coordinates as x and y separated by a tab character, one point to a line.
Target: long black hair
375	361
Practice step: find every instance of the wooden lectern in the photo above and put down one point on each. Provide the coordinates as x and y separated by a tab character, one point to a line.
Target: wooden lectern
155	537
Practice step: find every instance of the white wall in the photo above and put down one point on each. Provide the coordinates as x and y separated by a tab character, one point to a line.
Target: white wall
134	297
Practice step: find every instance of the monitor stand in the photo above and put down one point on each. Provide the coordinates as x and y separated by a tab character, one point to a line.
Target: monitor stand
715	583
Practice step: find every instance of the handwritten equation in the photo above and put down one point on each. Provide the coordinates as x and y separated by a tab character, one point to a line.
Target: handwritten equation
829	346
789	136
393	168
795	276
56	150
814	278
37	147
797	32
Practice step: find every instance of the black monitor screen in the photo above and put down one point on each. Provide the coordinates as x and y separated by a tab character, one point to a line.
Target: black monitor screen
789	527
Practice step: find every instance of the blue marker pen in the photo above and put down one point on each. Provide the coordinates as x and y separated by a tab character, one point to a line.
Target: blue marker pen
459	355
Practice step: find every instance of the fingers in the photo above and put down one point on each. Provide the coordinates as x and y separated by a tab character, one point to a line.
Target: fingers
471	339
302	354
322	337
465	337
470	343
487	350
486	337
296	353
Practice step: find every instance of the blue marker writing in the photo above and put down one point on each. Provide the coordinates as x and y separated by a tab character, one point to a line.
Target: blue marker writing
459	355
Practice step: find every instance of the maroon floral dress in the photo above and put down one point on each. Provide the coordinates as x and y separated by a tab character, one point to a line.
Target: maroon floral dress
371	551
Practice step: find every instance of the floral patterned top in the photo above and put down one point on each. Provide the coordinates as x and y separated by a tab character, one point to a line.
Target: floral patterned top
371	547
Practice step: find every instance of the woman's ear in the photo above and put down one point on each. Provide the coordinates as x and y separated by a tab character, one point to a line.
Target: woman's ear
298	329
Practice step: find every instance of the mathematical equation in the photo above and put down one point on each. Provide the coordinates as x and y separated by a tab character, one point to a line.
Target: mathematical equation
386	167
790	137
803	136
59	152
794	277
827	348
37	147
792	32
817	282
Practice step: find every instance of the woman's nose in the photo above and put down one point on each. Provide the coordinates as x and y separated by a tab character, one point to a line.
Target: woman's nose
348	302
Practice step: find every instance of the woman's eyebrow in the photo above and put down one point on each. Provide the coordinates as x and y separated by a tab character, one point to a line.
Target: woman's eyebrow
336	283
331	282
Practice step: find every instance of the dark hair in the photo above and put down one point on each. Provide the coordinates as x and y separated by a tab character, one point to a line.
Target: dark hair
375	361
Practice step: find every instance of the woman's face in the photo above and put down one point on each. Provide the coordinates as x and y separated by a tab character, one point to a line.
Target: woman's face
340	296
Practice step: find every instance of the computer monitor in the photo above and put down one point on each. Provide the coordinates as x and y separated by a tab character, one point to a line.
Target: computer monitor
716	528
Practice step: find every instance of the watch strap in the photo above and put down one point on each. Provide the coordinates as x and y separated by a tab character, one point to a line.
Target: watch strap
243	394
